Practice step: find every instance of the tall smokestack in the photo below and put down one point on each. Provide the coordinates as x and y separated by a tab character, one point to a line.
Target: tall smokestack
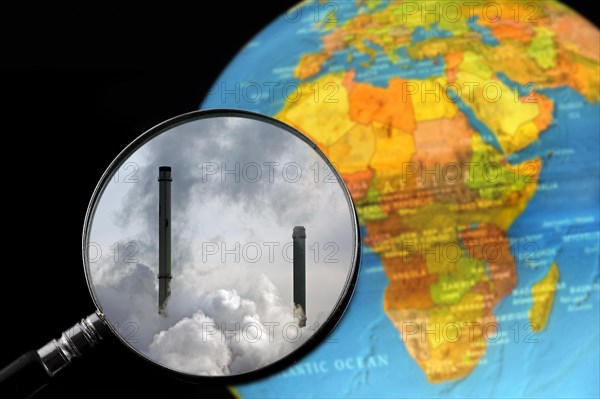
164	236
299	236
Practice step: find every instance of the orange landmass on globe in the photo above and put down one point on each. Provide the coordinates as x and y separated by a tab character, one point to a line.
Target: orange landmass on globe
369	104
357	148
580	33
393	148
543	293
309	65
358	183
441	235
453	289
398	204
513	31
512	21
489	243
443	141
409	283
453	60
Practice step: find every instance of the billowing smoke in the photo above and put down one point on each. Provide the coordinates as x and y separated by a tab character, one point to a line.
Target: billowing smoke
204	354
213	325
230	309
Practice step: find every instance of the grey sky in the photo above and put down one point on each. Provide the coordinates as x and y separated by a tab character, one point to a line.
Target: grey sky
276	181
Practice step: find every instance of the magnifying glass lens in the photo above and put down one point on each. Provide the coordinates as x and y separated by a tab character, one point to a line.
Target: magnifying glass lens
220	243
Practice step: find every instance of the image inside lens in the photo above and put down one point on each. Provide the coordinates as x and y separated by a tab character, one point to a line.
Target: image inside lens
220	245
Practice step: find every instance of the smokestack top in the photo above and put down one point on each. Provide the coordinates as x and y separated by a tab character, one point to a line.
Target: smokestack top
299	231
164	173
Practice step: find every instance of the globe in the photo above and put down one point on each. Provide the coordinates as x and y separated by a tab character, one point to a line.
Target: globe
468	136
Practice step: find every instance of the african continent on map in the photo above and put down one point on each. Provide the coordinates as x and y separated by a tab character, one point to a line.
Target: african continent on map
468	136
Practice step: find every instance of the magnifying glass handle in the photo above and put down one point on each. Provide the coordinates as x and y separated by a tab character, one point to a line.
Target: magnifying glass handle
34	369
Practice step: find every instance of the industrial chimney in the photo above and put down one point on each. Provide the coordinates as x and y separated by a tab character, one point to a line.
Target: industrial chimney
299	236
164	236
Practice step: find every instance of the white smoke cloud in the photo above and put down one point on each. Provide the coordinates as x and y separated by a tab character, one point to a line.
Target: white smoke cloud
213	325
224	315
188	348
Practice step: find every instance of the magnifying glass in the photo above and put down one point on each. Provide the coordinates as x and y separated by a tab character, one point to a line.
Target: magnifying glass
220	245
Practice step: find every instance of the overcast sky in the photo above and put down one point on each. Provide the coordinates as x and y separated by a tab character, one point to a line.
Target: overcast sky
277	182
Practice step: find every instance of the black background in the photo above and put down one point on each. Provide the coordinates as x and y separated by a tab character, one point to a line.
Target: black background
77	86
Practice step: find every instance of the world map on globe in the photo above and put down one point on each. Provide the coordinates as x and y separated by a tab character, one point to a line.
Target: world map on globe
468	135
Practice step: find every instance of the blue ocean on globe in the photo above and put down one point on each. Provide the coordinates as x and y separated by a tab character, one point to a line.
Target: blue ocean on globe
366	356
